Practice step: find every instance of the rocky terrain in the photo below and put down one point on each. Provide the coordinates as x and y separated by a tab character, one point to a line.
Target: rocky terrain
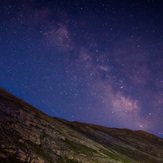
28	135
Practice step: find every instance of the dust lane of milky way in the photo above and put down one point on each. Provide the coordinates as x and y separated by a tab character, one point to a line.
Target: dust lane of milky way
98	62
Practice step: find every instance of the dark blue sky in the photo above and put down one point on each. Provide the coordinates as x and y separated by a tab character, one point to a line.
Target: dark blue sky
92	61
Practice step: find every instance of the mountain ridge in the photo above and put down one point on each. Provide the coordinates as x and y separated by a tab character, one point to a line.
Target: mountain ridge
29	135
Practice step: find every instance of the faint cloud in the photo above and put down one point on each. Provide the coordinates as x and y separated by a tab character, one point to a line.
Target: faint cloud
123	109
128	111
124	104
59	38
115	104
85	58
53	34
104	67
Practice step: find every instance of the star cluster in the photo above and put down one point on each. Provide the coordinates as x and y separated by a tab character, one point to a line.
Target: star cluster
99	62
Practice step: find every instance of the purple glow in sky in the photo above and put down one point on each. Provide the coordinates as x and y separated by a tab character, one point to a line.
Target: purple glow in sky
98	62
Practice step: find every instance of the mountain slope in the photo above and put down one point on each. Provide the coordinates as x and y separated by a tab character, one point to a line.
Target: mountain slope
28	135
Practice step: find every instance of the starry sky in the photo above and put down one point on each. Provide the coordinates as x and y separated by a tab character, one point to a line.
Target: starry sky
92	61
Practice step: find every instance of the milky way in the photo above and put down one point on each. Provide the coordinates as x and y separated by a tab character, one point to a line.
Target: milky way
98	62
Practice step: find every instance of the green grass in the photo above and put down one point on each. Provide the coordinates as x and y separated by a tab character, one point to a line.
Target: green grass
115	156
79	148
137	156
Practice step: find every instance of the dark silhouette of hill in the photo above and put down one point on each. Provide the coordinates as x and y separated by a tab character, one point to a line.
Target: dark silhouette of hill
28	135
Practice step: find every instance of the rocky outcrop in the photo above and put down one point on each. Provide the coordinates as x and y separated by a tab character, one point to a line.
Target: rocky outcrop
28	135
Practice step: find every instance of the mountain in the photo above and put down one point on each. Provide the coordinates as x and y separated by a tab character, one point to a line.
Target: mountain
28	135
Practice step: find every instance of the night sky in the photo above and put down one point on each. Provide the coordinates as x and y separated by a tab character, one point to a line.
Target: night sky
93	61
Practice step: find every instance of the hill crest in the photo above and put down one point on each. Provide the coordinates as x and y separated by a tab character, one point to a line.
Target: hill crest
28	135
